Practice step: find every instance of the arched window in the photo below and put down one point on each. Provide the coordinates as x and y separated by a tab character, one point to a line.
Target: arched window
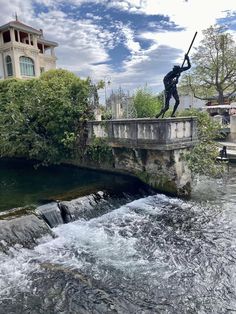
9	66
26	66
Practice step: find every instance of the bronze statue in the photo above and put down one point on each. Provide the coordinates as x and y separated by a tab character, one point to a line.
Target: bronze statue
170	82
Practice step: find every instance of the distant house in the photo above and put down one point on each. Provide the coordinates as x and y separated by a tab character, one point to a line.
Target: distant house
188	101
24	52
213	101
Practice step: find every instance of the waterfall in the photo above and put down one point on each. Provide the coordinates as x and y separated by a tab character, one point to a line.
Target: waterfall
51	214
25	227
83	207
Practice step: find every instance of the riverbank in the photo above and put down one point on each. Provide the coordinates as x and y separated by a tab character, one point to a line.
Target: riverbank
149	255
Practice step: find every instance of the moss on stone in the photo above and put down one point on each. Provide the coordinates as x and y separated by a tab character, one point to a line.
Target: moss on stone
16	212
163	184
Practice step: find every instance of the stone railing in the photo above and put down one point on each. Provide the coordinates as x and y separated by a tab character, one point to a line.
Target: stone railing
169	133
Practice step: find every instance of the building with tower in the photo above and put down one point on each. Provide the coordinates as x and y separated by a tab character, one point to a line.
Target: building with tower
24	52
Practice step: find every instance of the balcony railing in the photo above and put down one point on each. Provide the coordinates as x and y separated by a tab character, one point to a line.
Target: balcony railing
160	134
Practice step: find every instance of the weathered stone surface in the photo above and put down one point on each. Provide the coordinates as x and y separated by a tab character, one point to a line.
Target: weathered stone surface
24	230
163	170
157	134
152	149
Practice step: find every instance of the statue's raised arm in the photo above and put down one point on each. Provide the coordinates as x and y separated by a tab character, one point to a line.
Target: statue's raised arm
188	66
171	80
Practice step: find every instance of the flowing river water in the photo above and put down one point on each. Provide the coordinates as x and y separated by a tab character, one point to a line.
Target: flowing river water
131	253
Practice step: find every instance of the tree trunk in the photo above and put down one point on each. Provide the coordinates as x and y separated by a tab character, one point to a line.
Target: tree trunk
220	98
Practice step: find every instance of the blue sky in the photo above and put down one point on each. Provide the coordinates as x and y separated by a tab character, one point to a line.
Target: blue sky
132	43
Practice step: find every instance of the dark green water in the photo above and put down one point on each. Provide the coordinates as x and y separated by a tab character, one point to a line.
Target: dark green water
21	184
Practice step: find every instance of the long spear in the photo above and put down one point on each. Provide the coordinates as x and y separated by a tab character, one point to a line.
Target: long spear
189	48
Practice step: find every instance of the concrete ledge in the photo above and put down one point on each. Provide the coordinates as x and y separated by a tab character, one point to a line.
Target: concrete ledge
170	133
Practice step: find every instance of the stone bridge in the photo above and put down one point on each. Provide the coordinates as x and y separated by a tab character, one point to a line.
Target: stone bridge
151	149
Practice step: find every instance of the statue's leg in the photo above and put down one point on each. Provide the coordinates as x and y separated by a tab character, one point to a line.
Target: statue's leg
160	113
176	97
166	106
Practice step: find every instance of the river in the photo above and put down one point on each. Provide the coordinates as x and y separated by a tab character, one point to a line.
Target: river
151	254
24	184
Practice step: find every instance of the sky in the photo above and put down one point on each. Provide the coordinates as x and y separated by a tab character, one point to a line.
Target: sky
130	43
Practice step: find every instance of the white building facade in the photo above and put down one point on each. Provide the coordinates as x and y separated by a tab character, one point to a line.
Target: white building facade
24	53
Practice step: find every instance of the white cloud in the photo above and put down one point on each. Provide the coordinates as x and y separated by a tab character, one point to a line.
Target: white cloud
84	44
177	40
192	14
81	43
147	68
130	43
9	8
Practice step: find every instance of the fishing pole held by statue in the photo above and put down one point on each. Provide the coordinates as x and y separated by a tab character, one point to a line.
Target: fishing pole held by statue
189	48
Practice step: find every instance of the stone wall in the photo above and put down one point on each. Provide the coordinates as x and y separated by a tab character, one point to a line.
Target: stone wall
151	149
232	135
165	171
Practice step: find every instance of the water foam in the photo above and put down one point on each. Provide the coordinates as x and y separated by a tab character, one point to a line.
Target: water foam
163	244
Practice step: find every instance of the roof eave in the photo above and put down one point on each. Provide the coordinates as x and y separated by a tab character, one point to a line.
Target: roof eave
21	27
48	42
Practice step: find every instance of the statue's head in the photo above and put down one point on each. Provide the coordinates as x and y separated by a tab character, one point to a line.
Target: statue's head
176	68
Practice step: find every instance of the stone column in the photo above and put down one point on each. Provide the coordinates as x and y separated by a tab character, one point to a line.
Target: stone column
12	33
29	39
52	52
16	64
232	135
35	41
37	64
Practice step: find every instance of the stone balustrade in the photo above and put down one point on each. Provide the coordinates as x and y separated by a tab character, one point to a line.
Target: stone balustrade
158	134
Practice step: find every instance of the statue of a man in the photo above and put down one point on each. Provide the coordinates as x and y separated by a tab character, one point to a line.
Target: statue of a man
170	82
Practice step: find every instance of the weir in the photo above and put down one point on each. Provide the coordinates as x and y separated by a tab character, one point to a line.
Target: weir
151	149
24	227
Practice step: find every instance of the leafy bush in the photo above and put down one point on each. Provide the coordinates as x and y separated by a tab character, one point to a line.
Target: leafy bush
201	159
40	118
146	104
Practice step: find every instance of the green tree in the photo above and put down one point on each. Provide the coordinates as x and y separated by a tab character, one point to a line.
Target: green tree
201	159
146	104
43	116
93	92
215	63
4	87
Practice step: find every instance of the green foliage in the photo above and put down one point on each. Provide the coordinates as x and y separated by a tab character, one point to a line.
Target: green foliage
100	84
4	86
106	113
215	62
201	159
146	104
93	92
39	118
100	152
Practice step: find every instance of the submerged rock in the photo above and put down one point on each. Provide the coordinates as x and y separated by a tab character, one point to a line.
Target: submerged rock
25	231
82	207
